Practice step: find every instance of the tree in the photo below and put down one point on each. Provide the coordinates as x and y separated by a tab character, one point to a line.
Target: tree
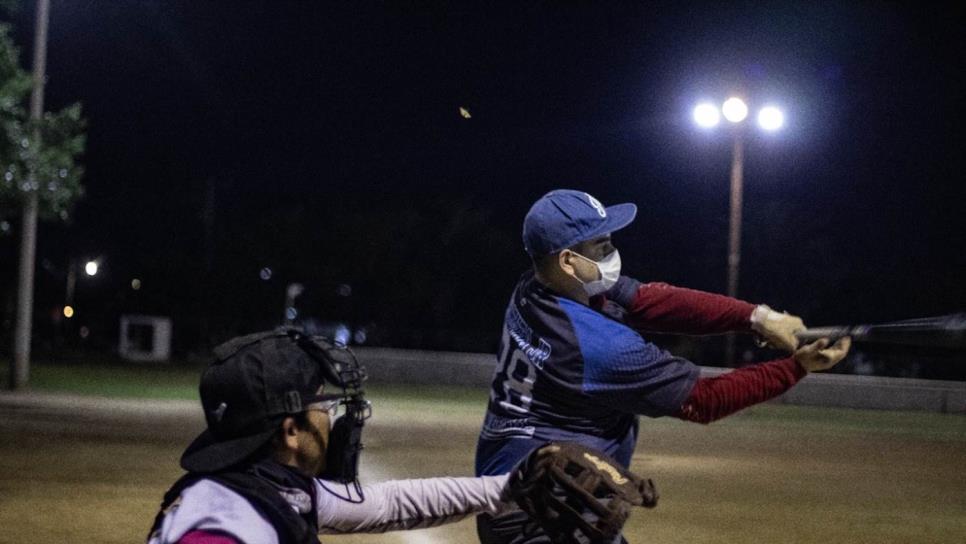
38	166
14	88
52	157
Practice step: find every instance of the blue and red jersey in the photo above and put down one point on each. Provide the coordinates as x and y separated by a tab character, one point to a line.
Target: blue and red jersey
570	372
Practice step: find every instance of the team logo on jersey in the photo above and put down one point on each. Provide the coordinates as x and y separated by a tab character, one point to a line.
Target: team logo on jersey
524	338
597	205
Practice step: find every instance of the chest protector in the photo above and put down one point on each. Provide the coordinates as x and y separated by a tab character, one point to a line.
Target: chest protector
291	527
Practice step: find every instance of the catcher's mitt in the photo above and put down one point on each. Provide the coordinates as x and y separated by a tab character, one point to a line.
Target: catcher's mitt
577	494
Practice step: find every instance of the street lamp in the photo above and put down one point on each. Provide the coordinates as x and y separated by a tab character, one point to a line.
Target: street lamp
91	268
770	118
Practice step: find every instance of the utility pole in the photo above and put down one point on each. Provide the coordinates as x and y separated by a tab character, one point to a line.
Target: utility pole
20	370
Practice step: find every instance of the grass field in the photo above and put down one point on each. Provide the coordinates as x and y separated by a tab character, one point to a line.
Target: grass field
112	378
770	474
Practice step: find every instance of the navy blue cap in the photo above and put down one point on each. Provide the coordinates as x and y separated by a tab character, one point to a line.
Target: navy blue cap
564	217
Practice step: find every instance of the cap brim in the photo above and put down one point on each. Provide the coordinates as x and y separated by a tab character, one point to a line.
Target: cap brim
619	216
205	454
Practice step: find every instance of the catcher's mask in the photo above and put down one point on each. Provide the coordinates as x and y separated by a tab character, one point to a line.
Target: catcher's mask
257	380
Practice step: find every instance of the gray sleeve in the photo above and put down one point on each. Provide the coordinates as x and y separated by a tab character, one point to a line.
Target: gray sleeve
408	504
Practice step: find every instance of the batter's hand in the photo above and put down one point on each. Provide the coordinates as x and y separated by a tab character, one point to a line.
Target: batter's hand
777	329
820	356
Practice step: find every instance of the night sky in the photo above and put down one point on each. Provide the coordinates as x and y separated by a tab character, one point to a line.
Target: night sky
325	142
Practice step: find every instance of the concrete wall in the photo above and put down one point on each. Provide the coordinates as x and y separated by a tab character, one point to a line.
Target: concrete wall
476	369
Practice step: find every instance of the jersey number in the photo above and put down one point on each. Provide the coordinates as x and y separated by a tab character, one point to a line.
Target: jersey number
513	383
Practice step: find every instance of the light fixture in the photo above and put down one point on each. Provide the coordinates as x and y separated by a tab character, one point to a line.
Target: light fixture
706	115
771	118
734	110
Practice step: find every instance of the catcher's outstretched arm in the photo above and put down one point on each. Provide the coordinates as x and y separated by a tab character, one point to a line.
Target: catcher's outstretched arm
410	504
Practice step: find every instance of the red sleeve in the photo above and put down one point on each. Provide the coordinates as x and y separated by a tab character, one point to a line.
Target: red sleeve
714	398
205	537
659	307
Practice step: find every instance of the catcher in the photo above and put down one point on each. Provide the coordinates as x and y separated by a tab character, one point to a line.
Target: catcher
278	462
574	367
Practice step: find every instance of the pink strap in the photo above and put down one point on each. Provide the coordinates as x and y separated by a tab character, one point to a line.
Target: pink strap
205	537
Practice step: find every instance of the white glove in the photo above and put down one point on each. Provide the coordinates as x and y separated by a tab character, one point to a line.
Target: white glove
777	329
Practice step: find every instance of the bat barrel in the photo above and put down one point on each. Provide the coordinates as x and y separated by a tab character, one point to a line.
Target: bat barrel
832	333
948	331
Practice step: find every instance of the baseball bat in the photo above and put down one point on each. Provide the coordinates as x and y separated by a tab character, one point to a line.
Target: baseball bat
945	331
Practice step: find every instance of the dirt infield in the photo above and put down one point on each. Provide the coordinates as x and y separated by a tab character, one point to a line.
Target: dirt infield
73	473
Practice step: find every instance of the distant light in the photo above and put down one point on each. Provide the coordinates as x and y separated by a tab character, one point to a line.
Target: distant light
734	110
342	335
359	337
84	332
465	113
291	313
135	284
68	312
771	118
4	226
91	268
293	290
265	274
706	115
343	290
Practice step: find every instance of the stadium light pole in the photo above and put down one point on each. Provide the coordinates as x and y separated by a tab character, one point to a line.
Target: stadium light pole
735	111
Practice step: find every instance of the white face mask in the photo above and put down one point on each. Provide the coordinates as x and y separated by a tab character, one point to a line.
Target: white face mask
609	269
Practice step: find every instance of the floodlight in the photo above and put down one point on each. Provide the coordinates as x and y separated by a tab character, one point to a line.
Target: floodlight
771	118
734	110
706	115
